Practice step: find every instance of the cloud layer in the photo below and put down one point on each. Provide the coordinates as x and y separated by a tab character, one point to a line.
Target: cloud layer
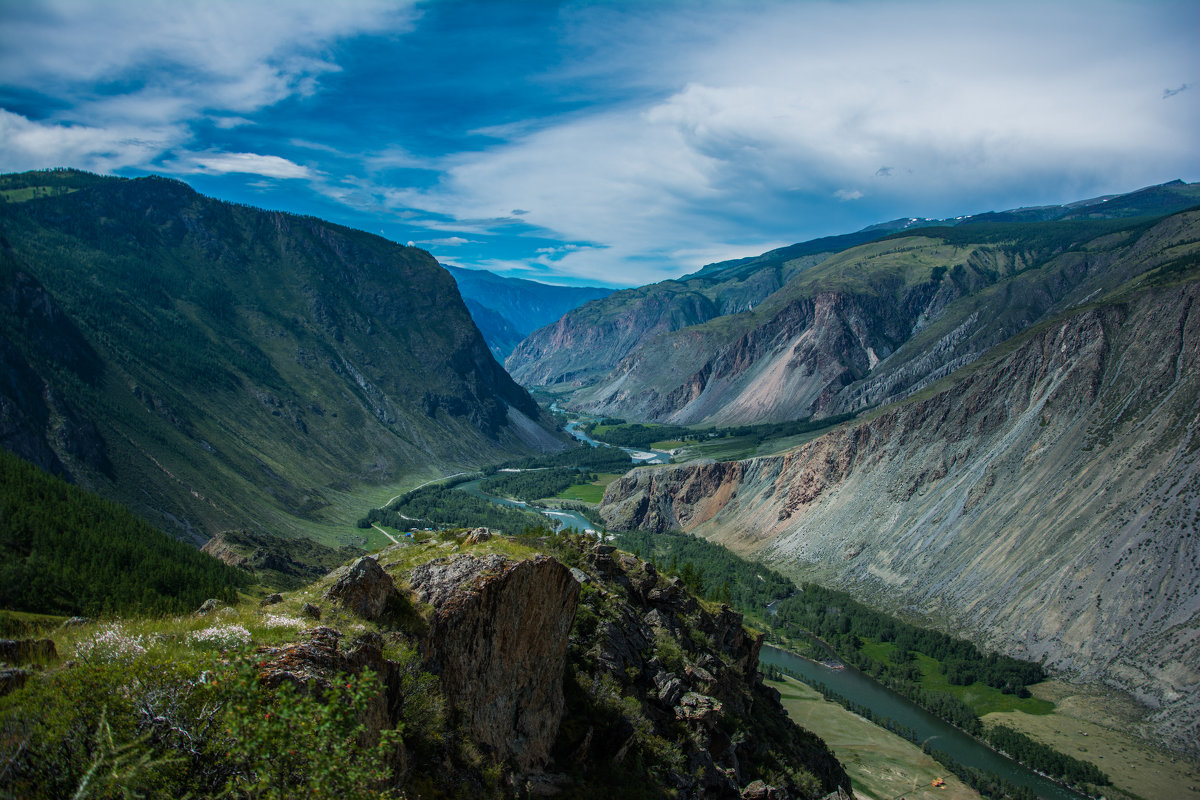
634	141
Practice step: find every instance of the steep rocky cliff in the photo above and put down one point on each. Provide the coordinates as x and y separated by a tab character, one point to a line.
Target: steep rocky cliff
799	333
1045	501
214	366
598	680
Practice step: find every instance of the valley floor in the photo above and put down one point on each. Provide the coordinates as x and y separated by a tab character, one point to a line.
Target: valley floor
881	764
1099	726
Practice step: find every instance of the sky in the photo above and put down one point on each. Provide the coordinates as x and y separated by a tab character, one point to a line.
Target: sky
608	143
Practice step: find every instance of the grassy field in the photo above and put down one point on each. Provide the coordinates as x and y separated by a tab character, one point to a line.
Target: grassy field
881	765
1100	726
979	696
588	492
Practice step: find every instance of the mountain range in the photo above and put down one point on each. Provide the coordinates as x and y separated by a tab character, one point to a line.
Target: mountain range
1024	466
509	309
837	324
214	366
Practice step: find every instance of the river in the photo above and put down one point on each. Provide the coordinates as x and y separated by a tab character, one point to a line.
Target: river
561	519
646	456
965	749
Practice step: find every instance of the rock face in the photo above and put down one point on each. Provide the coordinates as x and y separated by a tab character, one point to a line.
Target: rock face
285	355
498	640
832	332
1047	503
643	639
365	589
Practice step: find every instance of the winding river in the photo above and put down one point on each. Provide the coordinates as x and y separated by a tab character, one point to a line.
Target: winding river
965	749
561	519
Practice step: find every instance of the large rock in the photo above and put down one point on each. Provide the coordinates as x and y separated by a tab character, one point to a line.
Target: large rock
498	639
365	589
26	651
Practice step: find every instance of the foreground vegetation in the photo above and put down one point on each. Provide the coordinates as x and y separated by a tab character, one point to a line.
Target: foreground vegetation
67	551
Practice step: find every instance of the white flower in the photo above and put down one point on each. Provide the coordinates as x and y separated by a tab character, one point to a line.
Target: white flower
110	644
221	635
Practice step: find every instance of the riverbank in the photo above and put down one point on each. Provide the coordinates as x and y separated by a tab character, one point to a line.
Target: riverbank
1098	725
881	765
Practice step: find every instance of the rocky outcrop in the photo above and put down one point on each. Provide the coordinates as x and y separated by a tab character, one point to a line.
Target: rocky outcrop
498	641
365	589
1054	483
644	642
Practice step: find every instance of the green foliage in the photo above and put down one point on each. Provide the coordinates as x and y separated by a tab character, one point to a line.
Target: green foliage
66	551
130	722
640	435
1043	758
843	622
709	570
438	506
534	484
287	742
586	457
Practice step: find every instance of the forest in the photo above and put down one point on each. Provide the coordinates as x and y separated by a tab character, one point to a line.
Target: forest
442	506
618	432
534	484
67	551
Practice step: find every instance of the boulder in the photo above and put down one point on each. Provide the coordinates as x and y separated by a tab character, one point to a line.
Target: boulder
365	589
272	599
208	606
26	651
478	535
498	639
311	611
759	790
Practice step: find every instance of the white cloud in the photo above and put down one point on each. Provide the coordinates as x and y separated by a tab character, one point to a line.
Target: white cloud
775	112
244	163
161	65
451	241
25	144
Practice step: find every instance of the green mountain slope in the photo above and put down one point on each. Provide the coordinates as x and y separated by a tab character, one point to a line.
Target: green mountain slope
66	551
835	325
215	366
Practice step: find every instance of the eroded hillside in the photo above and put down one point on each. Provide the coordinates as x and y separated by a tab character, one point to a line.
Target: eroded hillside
1044	501
842	324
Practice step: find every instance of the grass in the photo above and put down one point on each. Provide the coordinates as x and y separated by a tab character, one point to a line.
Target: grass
881	765
979	696
588	492
1099	725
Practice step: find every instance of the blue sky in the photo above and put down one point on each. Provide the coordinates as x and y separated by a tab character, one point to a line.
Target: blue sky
614	143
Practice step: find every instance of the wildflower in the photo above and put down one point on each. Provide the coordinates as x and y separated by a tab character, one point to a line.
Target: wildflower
222	635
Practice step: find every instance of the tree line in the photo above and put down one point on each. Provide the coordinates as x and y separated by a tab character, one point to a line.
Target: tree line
67	551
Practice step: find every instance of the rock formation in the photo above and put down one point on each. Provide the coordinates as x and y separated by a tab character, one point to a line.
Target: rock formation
1046	504
498	640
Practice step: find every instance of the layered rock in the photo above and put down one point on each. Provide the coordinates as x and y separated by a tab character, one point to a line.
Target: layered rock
498	641
1045	504
838	333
